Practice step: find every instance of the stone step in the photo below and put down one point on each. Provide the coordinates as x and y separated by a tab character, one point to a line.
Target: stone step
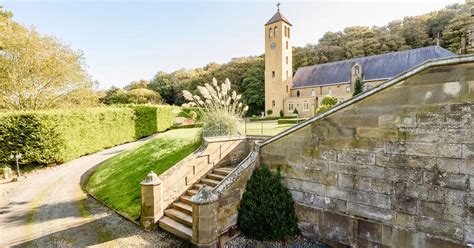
209	182
198	186
221	171
191	192
216	177
186	199
180	217
176	228
181	206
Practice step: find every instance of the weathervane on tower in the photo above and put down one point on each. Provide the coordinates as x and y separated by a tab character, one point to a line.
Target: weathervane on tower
278	7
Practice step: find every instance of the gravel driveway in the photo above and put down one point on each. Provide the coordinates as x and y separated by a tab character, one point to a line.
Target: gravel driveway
50	208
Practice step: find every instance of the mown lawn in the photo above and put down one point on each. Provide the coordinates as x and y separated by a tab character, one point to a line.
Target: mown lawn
116	182
266	128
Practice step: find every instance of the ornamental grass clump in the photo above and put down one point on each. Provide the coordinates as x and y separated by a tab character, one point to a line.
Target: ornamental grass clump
267	210
220	108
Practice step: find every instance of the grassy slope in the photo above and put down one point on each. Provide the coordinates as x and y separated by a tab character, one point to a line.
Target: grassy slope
116	182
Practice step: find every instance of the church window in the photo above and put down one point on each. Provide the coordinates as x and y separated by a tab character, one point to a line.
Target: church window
287	89
356	70
273	74
276	31
286	74
290	106
330	91
305	106
313	93
273	103
348	89
298	93
270	33
286	59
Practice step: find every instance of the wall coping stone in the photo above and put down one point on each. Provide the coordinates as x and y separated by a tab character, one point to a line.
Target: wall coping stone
151	179
395	80
204	196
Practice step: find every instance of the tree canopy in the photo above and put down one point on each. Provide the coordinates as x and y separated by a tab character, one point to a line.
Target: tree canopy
38	72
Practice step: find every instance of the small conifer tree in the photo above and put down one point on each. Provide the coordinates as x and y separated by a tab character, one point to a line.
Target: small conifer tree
266	211
282	114
357	87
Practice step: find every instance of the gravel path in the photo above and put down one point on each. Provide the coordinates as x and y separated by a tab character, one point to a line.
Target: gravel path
49	208
296	242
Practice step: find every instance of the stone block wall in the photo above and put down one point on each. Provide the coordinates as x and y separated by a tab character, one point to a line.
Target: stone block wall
395	169
178	179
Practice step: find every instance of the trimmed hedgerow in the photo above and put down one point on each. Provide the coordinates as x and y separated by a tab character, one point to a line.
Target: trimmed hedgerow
56	136
267	210
291	121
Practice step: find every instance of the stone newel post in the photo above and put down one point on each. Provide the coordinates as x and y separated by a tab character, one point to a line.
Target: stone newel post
152	201
205	218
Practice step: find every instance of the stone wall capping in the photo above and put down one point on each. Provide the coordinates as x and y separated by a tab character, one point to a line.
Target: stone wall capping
204	196
151	179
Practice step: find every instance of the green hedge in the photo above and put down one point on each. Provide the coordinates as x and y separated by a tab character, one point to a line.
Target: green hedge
56	136
291	121
270	118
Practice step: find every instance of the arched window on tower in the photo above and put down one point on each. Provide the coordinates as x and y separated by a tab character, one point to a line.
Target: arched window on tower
286	59
286	44
276	31
288	32
287	89
270	33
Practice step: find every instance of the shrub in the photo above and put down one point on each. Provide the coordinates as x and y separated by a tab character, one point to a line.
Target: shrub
291	121
271	118
269	112
56	136
357	87
220	107
266	211
327	103
295	111
329	100
282	113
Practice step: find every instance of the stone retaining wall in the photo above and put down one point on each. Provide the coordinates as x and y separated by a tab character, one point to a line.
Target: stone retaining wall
393	168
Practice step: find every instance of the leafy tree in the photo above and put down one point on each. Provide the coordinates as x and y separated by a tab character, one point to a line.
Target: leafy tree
36	71
357	87
140	84
253	85
329	100
137	96
162	84
266	211
327	103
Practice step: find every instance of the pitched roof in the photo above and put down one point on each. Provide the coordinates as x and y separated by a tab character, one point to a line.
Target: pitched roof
278	16
381	66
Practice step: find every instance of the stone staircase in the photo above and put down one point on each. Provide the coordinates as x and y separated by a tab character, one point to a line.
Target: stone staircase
177	217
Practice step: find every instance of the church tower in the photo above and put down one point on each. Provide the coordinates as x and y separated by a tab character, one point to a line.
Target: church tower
278	62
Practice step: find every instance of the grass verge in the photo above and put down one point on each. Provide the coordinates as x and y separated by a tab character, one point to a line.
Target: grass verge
116	182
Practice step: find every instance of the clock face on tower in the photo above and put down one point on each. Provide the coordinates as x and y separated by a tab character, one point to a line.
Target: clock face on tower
273	46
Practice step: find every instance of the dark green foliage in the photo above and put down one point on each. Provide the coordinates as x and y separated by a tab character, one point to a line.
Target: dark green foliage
282	113
329	100
291	121
56	136
269	112
357	87
295	111
270	118
267	211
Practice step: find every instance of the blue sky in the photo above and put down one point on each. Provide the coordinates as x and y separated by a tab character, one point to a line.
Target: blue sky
130	40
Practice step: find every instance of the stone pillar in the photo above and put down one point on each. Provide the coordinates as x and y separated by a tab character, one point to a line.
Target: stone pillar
205	204
152	201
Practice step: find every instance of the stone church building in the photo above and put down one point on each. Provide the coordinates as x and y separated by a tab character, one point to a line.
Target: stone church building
304	90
